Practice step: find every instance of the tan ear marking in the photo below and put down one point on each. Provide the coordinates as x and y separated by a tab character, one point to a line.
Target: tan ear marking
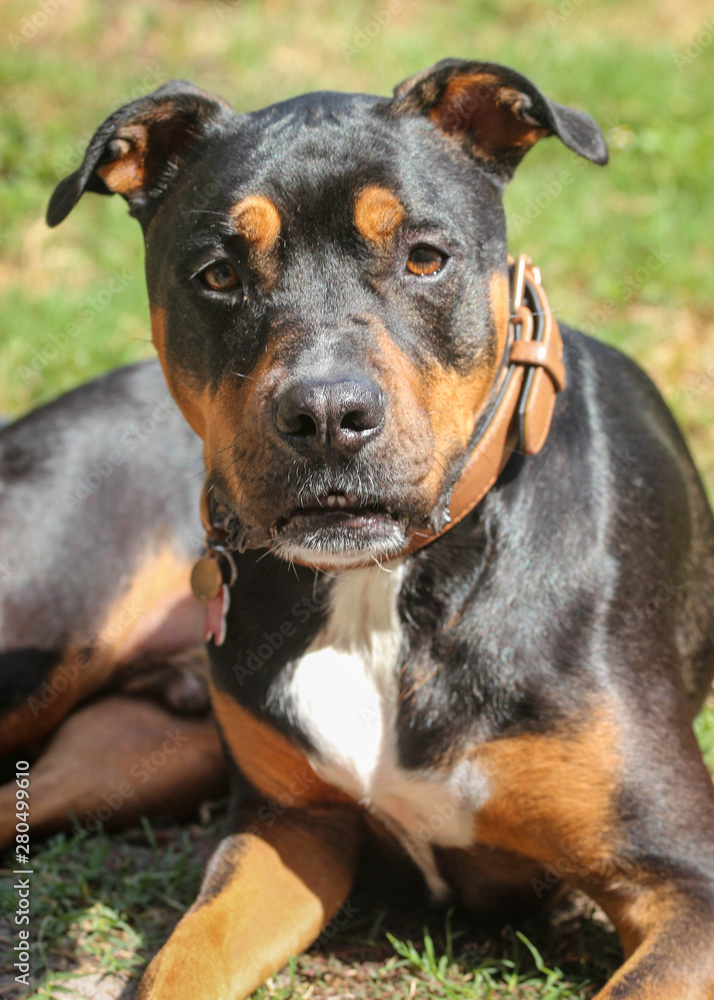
126	174
377	213
258	220
503	121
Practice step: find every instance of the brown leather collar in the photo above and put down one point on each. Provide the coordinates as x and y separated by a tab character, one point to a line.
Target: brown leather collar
530	377
523	409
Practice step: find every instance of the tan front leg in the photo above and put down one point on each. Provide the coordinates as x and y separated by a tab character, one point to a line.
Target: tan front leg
266	896
629	819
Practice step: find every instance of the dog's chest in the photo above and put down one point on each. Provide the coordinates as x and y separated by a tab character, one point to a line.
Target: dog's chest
345	693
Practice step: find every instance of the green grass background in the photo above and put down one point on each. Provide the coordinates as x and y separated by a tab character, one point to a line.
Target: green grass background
643	69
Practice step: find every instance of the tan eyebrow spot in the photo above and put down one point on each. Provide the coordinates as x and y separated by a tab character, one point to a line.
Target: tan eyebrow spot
258	220
378	212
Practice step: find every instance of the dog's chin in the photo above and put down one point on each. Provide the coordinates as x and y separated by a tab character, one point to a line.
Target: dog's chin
339	539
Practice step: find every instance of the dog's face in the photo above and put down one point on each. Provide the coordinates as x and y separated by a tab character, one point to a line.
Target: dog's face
329	291
330	317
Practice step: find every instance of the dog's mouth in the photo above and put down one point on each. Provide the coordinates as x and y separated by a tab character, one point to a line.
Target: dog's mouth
336	511
328	529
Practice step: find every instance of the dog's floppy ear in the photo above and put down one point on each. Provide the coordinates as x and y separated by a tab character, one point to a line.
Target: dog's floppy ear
496	113
136	152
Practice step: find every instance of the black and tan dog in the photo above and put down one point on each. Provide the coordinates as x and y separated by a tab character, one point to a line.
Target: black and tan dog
435	634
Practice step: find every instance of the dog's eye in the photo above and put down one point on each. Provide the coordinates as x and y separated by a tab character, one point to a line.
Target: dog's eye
220	277
424	260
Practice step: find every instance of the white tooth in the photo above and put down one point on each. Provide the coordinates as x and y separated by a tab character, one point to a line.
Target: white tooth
331	500
342	501
352	498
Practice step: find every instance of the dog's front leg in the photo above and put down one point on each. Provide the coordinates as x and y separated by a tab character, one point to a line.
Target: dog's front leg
267	893
624	811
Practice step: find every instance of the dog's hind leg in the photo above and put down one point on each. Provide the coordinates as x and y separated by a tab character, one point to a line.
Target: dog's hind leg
99	529
115	760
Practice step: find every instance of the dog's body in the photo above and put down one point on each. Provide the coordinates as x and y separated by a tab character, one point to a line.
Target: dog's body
329	295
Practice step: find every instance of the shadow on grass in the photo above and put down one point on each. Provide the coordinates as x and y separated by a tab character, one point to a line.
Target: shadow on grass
102	905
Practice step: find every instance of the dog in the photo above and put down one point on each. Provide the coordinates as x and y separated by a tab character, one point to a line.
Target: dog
432	514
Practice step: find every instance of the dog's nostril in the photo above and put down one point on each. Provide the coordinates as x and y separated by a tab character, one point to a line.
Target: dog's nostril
353	421
304	426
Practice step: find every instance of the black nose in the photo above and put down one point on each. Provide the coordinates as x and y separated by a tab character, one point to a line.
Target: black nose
317	417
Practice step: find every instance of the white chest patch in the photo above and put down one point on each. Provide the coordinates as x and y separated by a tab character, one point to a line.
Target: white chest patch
345	693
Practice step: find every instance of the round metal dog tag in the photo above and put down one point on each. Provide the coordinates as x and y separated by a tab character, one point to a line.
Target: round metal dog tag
206	579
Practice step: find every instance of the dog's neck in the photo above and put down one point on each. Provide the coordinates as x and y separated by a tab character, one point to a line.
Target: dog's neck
520	410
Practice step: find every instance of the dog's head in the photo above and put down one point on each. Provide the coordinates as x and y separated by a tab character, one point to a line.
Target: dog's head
329	290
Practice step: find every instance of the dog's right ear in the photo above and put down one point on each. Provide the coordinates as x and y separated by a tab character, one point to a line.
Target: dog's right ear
137	151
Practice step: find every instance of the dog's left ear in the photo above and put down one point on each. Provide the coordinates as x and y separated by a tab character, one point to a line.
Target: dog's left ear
496	113
137	151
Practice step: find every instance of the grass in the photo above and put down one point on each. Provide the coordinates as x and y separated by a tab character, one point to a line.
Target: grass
626	254
104	904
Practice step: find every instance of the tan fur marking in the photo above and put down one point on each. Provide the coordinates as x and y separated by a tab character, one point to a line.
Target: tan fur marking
377	213
127	173
481	98
653	922
554	796
105	748
234	409
158	329
264	899
159	583
273	765
450	401
258	220
195	404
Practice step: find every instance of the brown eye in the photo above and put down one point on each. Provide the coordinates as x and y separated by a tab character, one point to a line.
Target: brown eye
425	260
221	277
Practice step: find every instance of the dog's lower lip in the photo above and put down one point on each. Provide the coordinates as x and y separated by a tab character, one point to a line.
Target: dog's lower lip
338	512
